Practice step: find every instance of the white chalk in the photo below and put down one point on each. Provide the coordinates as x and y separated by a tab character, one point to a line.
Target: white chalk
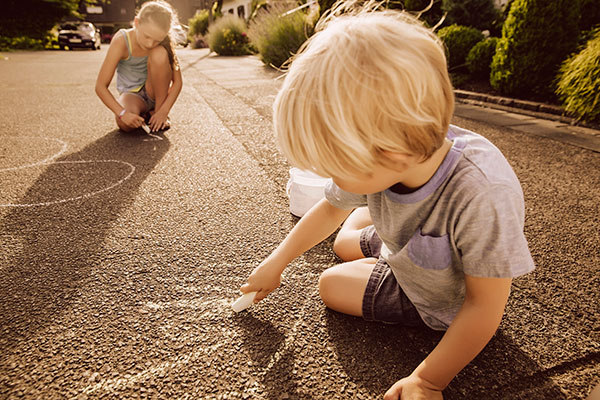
243	302
146	128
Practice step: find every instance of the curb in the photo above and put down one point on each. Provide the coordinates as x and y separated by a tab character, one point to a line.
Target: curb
541	110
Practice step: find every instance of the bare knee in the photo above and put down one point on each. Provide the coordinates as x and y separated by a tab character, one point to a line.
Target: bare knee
340	247
158	56
327	287
342	287
347	245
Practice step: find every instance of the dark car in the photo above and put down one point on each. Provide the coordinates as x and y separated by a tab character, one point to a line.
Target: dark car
79	34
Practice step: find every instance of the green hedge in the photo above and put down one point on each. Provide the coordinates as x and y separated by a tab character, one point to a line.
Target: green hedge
20	43
198	24
277	38
459	40
480	57
479	14
536	37
579	81
227	36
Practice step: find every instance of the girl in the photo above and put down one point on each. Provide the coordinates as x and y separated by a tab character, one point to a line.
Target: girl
148	74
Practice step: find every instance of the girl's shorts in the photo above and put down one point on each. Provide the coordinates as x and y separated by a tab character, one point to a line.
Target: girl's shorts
384	300
143	94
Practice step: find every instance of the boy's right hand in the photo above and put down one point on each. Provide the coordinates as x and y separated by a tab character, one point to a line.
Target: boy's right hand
264	279
132	120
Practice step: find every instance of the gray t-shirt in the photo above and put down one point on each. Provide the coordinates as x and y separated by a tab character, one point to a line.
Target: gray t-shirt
467	219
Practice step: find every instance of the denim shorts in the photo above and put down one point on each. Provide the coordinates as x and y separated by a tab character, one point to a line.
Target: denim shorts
143	94
384	300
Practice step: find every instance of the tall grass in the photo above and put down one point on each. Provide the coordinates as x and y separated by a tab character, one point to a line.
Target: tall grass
278	37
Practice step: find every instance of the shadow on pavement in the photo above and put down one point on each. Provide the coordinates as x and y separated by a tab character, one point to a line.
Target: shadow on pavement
54	246
375	356
264	343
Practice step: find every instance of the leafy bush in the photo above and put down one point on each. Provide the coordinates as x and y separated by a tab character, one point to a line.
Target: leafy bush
227	36
579	81
459	40
198	24
20	43
278	38
479	14
33	18
590	14
431	17
529	54
480	57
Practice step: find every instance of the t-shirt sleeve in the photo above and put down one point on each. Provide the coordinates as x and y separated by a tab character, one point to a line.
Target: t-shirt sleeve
489	234
341	199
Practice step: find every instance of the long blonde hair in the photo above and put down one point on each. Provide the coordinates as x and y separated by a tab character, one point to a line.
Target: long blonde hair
162	14
367	82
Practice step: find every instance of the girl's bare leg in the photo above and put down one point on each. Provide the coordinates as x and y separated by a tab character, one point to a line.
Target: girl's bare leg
160	74
132	103
347	242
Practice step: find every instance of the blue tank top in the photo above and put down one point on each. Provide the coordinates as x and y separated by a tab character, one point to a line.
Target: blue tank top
132	72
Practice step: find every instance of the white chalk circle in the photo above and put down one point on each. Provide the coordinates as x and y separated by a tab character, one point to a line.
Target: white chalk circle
45	160
83	196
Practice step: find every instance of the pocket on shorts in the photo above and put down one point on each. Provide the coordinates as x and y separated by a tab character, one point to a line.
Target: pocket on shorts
430	252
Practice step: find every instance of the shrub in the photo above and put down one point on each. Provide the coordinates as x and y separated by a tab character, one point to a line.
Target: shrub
277	38
480	57
590	14
431	17
479	14
459	40
198	24
579	81
529	53
20	43
227	36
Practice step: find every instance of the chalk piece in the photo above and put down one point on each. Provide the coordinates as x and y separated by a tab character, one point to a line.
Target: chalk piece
146	128
243	302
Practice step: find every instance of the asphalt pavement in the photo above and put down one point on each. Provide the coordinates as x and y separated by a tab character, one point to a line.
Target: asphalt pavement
121	253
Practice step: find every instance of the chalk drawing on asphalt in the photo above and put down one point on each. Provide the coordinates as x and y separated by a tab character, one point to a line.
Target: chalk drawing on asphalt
45	160
50	161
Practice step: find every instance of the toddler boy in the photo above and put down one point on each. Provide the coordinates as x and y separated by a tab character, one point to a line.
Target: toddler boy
434	214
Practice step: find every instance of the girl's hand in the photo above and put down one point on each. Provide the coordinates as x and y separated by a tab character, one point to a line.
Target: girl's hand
264	279
413	388
158	121
132	120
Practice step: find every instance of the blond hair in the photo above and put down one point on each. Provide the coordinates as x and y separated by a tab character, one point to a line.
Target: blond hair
368	81
161	14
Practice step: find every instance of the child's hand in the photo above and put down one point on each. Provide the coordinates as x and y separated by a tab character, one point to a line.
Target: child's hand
158	121
264	279
132	120
413	388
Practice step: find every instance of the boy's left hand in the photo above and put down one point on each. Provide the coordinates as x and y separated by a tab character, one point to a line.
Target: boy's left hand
158	121
413	388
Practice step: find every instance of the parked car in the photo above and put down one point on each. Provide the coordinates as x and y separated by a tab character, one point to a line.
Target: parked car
79	34
180	35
